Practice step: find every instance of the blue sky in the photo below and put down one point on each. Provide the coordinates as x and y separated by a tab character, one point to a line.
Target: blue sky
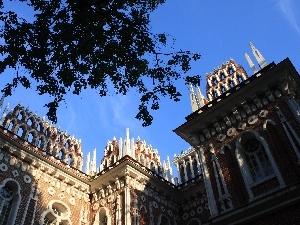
217	30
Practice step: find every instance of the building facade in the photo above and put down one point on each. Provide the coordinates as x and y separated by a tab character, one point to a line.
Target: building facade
243	166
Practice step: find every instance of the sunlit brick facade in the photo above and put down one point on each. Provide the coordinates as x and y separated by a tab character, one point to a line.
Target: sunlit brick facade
243	166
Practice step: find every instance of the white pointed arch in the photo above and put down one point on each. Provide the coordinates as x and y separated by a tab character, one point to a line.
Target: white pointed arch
11	202
103	217
57	211
163	220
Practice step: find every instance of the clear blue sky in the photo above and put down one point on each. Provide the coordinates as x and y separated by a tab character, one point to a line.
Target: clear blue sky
217	30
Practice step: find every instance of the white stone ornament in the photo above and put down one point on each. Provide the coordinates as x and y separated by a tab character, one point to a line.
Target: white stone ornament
199	209
252	119
263	113
242	126
27	179
61	196
3	167
231	132
96	206
170	212
15	173
51	191
185	216
154	203
72	201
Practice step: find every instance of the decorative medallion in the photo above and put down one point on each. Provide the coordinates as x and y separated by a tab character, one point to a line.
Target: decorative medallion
102	202
61	196
3	167
15	173
96	206
27	179
231	132
199	209
221	137
252	119
154	204
192	213
51	191
170	212
72	201
185	216
143	197
242	126
263	113
110	198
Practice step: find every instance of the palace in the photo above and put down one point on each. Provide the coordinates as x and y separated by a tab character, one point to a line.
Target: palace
243	166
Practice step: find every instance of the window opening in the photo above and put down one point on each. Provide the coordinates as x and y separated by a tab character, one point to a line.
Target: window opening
6	200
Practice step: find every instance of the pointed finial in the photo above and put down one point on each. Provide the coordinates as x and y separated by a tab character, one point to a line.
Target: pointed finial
260	59
251	64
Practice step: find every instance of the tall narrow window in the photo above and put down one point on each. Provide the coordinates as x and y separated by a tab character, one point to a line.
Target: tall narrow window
6	199
254	153
9	202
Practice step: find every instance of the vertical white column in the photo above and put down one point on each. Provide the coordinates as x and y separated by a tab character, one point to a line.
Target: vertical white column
118	211
178	172
184	171
87	165
127	201
120	148
191	166
208	187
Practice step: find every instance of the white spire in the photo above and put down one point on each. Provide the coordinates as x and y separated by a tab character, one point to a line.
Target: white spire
87	166
201	99
193	99
120	148
260	59
93	168
251	64
127	144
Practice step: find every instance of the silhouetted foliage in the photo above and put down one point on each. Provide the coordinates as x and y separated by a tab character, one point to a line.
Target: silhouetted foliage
106	45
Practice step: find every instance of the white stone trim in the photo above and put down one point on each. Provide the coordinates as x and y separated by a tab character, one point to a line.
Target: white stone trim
209	191
16	203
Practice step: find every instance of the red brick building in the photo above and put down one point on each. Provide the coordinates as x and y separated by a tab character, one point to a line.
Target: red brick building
243	166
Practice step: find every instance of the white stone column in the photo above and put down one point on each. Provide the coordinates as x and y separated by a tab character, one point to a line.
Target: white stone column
127	201
178	171
184	171
208	187
191	166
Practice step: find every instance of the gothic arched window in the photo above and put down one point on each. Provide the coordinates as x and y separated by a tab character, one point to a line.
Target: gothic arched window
163	220
58	213
255	156
9	202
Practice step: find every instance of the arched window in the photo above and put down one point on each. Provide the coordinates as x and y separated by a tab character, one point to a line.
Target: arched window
11	125
70	160
29	122
163	220
254	153
194	222
9	202
61	154
20	116
20	132
103	217
58	213
30	138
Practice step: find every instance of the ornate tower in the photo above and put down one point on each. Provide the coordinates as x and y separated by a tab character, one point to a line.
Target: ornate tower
247	142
